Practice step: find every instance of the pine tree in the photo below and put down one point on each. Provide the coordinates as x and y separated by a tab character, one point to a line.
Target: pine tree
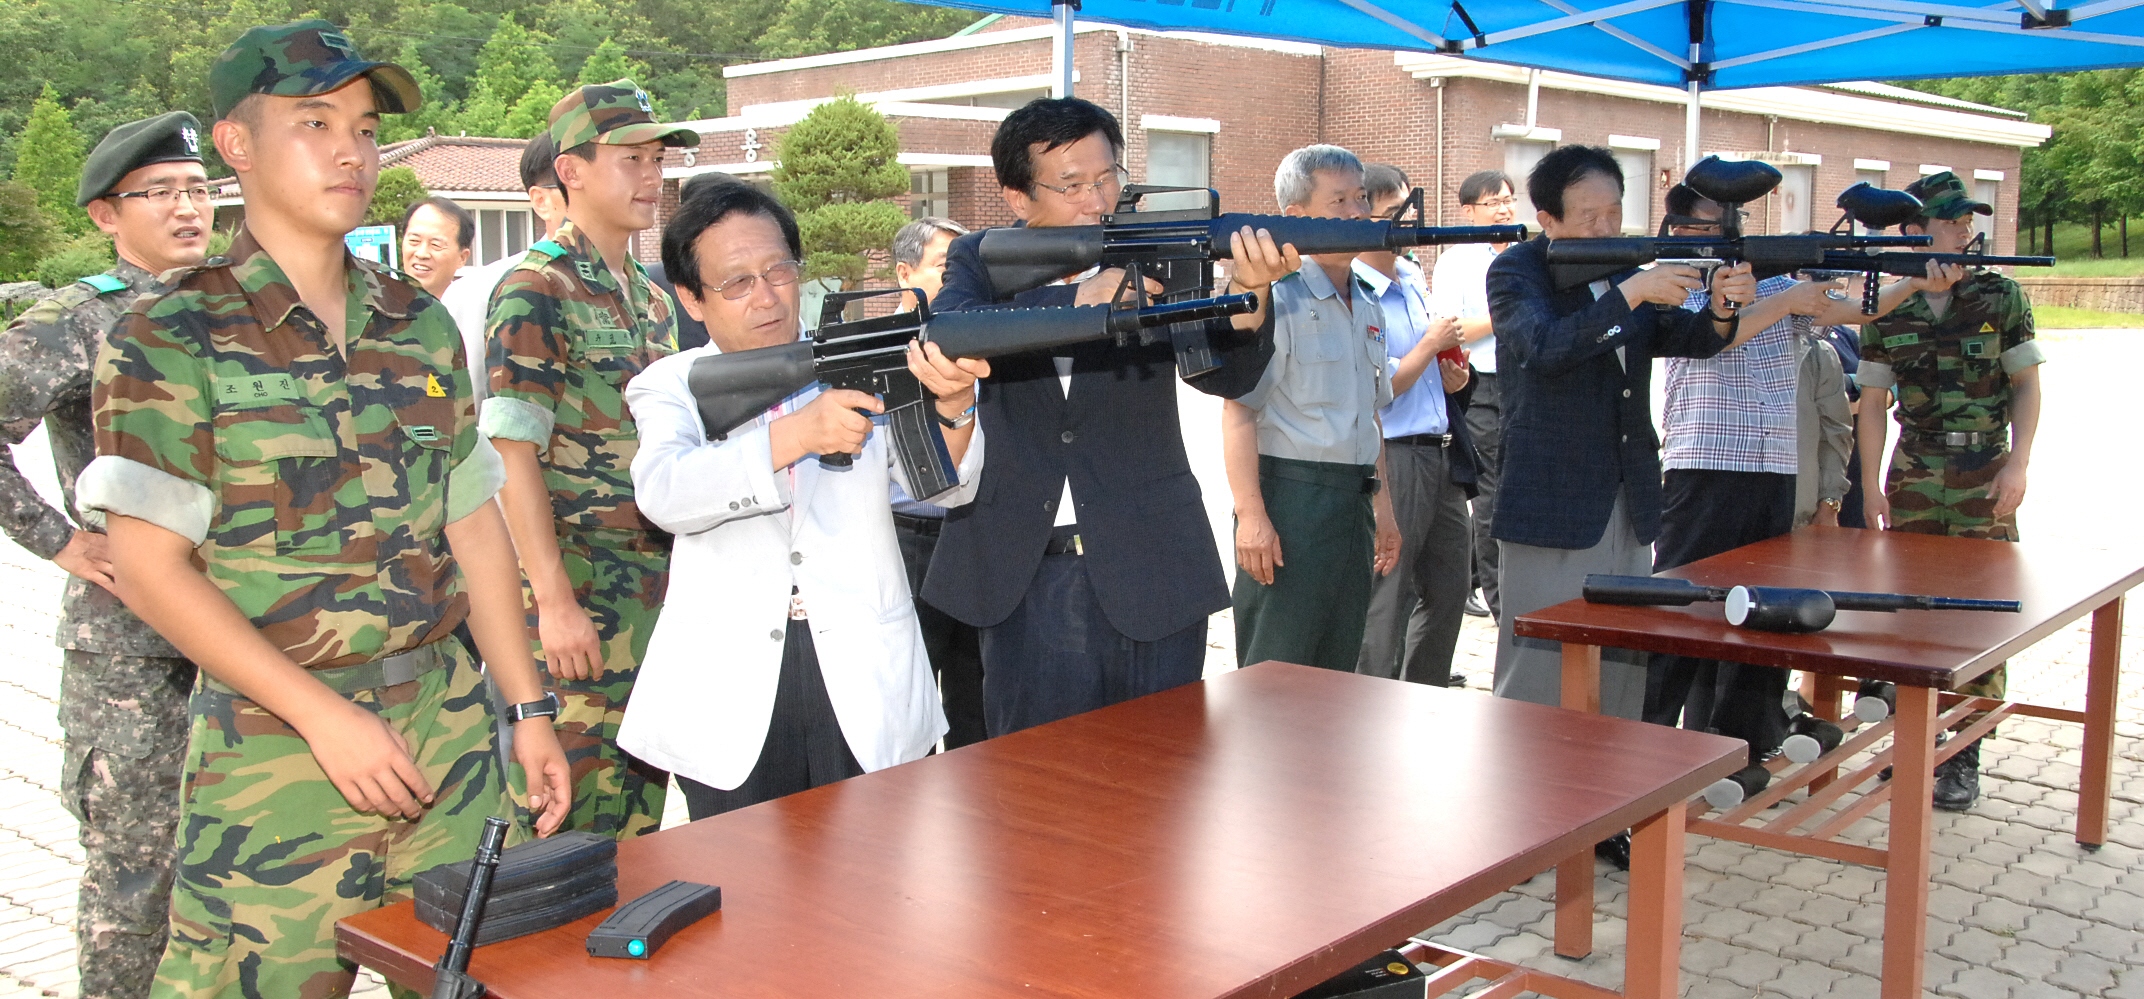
26	234
398	187
48	158
834	169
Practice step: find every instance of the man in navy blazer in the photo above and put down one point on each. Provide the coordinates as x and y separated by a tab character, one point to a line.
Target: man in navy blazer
1581	465
1086	559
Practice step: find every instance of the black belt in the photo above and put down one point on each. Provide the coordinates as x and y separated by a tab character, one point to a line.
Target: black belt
1064	540
925	526
1958	438
1422	440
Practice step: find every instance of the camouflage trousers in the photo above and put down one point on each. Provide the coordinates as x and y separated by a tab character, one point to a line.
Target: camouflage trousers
618	578
125	749
271	855
1944	491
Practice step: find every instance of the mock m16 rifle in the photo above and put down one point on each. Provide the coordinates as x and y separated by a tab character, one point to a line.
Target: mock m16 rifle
1178	248
1836	253
450	977
1771	608
871	355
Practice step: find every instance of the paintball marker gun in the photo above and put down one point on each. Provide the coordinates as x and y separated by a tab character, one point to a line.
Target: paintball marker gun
1178	248
1836	253
450	977
1770	608
871	355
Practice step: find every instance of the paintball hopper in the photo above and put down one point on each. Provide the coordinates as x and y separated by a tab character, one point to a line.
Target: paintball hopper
1878	208
1732	182
1737	787
1779	608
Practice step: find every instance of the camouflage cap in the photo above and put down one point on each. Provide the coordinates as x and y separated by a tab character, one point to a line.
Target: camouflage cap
617	113
1943	196
174	137
301	59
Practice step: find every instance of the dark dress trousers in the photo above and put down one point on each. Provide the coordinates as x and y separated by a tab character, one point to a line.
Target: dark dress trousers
1577	422
1148	550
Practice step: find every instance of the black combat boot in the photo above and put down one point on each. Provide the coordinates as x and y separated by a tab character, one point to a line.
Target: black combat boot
1958	780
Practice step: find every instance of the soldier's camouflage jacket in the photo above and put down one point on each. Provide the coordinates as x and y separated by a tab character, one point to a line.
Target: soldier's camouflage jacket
1953	374
315	490
563	340
46	359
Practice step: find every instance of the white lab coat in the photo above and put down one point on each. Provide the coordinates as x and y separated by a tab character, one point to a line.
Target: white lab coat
705	693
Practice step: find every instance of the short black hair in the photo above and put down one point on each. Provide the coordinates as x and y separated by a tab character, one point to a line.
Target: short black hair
1564	166
1381	179
1053	122
464	222
537	166
700	206
1482	183
1682	200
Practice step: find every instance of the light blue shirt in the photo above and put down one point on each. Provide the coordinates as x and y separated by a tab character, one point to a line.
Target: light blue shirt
1405	304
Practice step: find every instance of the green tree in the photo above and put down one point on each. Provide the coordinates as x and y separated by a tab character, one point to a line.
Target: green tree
807	27
398	187
48	158
532	114
834	169
438	113
26	233
609	62
511	62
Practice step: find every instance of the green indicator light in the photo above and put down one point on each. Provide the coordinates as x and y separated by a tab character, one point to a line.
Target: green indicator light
636	947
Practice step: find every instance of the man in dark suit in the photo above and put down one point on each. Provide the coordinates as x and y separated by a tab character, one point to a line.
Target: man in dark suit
1581	490
1087	559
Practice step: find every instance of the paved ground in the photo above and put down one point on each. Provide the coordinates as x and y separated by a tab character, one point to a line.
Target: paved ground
2018	909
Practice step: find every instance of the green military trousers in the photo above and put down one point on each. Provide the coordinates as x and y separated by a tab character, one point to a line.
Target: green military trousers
1315	610
1944	491
618	577
271	854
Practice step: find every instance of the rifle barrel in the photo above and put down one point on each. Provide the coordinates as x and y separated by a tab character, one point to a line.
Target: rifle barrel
1648	591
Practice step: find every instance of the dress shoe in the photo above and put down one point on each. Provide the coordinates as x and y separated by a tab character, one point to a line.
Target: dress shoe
1958	780
1474	607
1615	850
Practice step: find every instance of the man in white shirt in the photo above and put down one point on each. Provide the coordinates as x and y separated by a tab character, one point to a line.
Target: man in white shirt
799	661
1458	287
468	299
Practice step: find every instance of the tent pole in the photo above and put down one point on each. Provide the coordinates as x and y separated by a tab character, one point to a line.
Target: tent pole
1061	48
1690	155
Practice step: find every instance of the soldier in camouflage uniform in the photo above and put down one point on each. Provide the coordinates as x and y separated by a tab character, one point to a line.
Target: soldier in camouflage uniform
1965	367
123	688
569	327
297	496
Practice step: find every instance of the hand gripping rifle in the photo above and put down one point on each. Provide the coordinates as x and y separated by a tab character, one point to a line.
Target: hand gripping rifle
1178	248
1836	253
1771	608
450	977
871	355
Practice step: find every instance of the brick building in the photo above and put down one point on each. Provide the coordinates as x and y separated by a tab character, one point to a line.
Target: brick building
1220	111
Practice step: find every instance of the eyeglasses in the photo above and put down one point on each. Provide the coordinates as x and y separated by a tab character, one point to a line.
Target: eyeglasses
777	274
1495	203
1079	191
165	197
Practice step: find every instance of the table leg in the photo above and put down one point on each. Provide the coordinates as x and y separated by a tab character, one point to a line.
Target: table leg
1655	940
1574	877
2102	676
1906	868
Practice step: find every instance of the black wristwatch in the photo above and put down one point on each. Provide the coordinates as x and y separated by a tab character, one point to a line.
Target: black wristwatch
546	708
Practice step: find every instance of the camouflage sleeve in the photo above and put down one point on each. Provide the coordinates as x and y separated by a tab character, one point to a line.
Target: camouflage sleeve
2021	349
526	353
156	441
1875	370
33	375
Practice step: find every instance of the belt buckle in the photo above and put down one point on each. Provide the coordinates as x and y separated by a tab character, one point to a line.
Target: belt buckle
398	669
1961	438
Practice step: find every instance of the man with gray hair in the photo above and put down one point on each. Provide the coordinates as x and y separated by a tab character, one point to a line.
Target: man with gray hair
955	647
1304	449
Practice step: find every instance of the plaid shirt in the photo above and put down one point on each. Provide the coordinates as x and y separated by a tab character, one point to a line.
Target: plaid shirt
1734	412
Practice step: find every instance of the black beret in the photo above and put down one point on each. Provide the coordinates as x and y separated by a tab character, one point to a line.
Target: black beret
166	138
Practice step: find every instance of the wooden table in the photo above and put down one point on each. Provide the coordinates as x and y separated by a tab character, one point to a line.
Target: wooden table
1253	834
1927	653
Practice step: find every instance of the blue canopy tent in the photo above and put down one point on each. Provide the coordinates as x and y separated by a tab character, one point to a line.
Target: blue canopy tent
1693	44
